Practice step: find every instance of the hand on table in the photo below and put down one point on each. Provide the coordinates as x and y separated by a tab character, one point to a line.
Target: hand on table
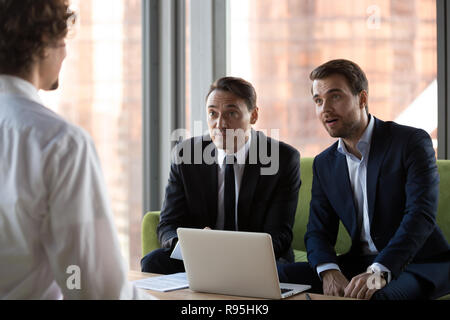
334	283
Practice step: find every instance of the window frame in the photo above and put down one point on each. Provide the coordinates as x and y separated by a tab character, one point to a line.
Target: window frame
164	87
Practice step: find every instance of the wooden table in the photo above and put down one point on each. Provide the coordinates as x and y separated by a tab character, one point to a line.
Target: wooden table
187	294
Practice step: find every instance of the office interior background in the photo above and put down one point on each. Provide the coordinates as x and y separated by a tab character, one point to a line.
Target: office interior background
137	70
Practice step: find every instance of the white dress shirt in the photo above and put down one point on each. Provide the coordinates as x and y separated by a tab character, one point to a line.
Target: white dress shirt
57	237
238	167
357	171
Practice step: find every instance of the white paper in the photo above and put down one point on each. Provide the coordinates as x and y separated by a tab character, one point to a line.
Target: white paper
166	283
176	253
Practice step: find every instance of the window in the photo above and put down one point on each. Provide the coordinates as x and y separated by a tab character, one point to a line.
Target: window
101	92
188	65
275	44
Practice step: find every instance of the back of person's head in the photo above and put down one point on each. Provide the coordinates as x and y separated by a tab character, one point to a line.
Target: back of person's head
355	76
239	87
27	27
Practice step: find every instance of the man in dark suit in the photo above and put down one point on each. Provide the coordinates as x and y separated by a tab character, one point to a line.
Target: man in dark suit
381	180
234	178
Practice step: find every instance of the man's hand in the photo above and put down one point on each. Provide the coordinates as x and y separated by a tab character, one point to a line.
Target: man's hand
334	283
363	286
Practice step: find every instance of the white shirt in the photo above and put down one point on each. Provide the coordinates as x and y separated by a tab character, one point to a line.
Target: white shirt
239	166
357	170
57	237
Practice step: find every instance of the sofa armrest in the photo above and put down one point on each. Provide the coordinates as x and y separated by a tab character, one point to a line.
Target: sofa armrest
148	232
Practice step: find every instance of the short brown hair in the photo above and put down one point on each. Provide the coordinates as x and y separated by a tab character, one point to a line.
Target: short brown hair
239	87
27	27
354	75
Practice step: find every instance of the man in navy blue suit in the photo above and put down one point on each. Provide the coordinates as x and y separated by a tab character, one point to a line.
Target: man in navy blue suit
381	181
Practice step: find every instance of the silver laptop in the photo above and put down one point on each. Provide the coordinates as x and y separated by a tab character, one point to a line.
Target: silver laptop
233	263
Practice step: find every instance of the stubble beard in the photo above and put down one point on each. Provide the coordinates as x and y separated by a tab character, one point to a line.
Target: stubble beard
347	130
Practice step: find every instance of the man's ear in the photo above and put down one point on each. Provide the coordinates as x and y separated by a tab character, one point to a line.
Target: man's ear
363	99
254	116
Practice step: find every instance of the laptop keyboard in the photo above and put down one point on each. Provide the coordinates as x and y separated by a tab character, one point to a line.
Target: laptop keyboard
286	290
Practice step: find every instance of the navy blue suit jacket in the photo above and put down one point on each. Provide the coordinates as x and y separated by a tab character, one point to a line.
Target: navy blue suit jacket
402	194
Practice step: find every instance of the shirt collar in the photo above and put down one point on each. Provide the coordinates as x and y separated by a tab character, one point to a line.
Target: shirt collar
241	154
364	142
16	86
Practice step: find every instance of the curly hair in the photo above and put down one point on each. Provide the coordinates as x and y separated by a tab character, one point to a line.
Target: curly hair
27	27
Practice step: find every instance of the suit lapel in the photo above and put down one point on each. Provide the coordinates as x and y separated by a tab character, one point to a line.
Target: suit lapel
343	193
380	143
249	182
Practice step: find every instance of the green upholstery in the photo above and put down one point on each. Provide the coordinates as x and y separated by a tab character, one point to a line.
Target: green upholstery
149	237
151	219
302	215
443	215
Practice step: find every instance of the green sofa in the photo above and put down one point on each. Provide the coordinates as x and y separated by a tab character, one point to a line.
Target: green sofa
151	219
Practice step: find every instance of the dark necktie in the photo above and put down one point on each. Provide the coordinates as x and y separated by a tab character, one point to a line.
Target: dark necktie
230	195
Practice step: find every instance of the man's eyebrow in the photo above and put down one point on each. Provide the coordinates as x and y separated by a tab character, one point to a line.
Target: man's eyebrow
334	90
231	106
329	91
227	106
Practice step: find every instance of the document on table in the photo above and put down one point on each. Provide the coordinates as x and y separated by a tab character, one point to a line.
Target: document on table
166	283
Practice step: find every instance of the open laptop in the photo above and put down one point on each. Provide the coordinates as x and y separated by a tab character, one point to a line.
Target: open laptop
233	263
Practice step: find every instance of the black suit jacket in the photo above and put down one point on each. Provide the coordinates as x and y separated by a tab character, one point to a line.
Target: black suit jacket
402	195
267	203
